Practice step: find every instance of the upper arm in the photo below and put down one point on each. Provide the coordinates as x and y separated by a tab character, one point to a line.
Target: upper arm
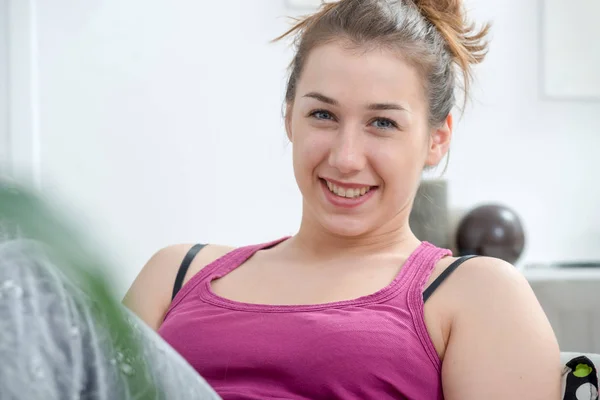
149	297
501	344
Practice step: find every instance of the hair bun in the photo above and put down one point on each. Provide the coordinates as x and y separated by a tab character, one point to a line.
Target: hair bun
467	43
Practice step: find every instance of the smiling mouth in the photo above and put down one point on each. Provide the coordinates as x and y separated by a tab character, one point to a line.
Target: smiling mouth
346	192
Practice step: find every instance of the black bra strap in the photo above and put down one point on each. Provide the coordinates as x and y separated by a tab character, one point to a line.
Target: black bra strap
446	273
185	264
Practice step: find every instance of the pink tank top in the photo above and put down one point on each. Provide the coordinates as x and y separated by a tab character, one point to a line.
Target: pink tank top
372	347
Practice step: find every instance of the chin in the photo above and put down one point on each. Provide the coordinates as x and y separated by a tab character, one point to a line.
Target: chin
345	226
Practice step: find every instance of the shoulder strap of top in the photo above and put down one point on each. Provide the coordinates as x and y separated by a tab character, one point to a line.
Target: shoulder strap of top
440	279
185	264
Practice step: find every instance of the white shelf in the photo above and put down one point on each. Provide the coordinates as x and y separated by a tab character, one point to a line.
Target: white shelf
561	274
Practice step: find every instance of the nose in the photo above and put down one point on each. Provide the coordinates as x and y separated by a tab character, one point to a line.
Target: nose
347	152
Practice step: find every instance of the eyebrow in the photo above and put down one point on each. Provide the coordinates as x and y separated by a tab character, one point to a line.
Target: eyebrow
376	106
322	98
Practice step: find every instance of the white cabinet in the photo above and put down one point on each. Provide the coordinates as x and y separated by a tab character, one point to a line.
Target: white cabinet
571	300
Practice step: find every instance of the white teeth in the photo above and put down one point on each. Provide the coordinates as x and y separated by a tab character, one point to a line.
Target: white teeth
348	193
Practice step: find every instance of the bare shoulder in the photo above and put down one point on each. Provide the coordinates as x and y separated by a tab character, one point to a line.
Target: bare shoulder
207	255
150	294
480	276
497	320
487	278
467	286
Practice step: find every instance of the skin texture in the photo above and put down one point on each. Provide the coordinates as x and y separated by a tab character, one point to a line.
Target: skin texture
360	117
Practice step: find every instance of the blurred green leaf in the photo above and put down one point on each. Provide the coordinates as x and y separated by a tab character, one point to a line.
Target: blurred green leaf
25	214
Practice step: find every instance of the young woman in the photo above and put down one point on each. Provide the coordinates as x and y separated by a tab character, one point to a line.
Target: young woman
352	306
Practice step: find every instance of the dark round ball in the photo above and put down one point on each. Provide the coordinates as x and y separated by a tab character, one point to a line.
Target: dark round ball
493	231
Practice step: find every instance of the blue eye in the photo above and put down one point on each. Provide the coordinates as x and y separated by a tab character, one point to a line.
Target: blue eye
322	115
384	123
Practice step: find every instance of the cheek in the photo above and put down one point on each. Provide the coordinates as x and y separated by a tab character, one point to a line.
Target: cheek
310	147
399	162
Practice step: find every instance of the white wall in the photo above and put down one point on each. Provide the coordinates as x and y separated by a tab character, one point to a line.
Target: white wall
4	138
534	155
161	122
23	91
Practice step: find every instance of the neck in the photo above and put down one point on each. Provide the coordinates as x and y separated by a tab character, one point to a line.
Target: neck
314	240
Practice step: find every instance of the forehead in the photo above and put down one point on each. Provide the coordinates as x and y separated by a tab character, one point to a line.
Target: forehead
365	75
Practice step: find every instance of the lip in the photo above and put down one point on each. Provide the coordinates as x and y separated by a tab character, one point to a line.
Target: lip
344	202
347	185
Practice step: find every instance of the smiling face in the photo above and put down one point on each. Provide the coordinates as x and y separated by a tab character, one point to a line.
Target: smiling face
358	124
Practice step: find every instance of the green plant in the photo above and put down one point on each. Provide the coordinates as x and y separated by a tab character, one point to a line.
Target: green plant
25	214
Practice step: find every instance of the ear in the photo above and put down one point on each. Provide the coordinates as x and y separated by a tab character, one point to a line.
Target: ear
439	142
288	121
